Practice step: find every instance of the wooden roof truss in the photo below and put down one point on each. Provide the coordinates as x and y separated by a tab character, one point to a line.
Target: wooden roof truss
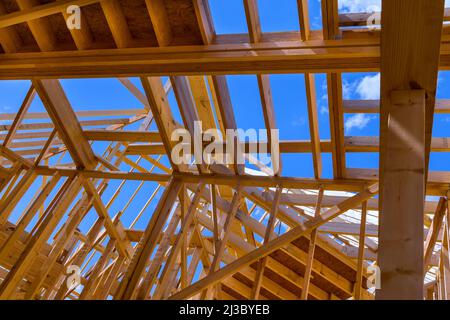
212	232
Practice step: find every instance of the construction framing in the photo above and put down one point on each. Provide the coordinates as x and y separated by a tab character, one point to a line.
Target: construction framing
316	238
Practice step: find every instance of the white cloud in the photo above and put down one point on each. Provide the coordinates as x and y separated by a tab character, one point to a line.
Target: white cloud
317	22
365	5
359	5
5	108
358	121
299	122
347	89
369	87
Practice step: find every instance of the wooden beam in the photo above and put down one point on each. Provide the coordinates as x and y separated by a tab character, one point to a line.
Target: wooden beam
179	242
123	136
29	213
360	18
310	87
267	237
269	120
82	37
272	264
160	21
203	103
227	227
20	116
227	231
188	111
158	259
445	258
334	87
65	121
309	56
330	18
204	19
361	248
160	108
9	38
334	82
401	245
81	114
221	92
39	238
408	87
110	225
303	14
255	33
135	91
433	232
40	11
40	27
98	268
275	244
311	250
352	144
117	23
253	22
9	201
442	106
435	187
130	281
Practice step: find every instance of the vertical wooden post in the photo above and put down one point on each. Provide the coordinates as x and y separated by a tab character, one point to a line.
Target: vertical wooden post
408	91
403	181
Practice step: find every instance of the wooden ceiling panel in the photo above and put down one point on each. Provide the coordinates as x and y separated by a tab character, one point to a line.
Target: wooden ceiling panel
98	26
138	20
28	43
183	22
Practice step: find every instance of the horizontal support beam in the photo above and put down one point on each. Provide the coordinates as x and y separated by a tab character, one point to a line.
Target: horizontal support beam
188	61
372	144
294	146
314	56
309	200
356	179
438	181
351	144
354	19
373	106
130	136
274	57
49	125
79	114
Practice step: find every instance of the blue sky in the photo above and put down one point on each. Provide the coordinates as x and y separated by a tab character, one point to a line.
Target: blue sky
288	95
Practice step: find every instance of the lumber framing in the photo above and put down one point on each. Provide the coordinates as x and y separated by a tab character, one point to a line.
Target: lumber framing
98	189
